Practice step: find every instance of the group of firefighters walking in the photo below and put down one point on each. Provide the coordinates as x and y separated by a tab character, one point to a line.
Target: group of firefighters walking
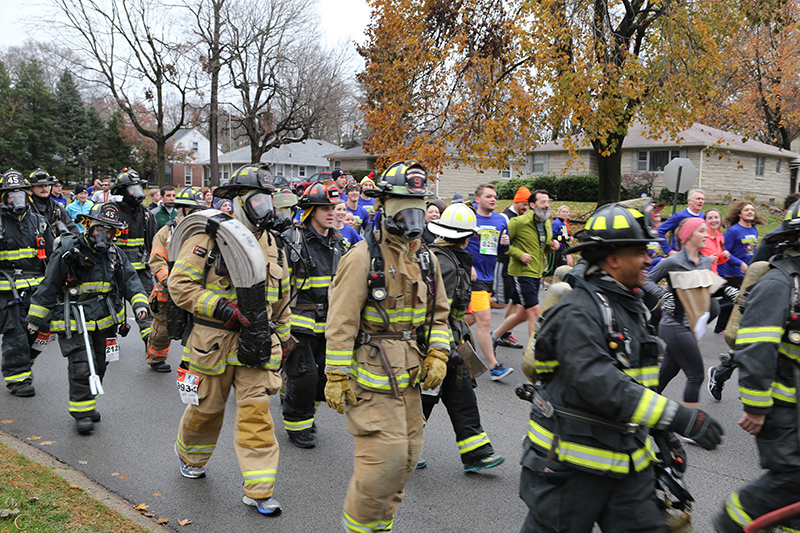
253	295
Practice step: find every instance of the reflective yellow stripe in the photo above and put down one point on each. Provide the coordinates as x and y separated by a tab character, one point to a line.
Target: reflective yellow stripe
472	443
755	398
207	303
789	350
649	409
21	283
351	524
546	367
588	456
188	450
375	381
303	322
298	426
188	269
646	376
82	407
215	370
313	282
734	508
764	334
252	477
39	311
138	299
94	286
783	392
407	314
441	336
14	255
338	357
130	243
16	378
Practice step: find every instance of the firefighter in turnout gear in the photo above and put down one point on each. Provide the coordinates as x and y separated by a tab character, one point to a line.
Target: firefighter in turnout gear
200	283
25	243
186	201
587	454
314	253
55	214
767	353
136	239
389	338
88	274
456	226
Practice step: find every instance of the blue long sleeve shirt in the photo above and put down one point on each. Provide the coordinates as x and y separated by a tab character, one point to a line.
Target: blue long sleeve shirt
671	224
741	242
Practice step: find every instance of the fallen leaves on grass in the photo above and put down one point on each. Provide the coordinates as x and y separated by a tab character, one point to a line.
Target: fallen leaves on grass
184	522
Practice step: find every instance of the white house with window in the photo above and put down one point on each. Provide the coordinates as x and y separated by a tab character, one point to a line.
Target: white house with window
727	165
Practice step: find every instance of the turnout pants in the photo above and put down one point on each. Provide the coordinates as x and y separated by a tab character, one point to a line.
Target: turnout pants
158	341
388	441
561	499
82	402
462	407
771	491
17	364
305	382
254	435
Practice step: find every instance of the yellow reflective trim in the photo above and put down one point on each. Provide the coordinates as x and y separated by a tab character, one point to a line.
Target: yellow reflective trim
600	223
620	222
755	398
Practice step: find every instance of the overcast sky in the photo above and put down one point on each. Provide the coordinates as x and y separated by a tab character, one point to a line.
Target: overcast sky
341	20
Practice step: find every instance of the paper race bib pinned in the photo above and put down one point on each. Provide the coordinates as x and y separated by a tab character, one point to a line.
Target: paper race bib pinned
188	382
112	350
489	240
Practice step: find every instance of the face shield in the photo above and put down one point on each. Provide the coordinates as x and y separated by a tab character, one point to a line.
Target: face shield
407	224
259	209
15	202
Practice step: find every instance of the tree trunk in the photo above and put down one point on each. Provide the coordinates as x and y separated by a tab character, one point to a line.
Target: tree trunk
609	169
213	129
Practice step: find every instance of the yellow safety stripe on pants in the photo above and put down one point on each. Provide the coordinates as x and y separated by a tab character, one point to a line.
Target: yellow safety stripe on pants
188	450
763	334
589	456
252	477
138	299
649	409
351	524
407	314
189	270
207	303
472	443
783	392
647	376
546	367
374	381
215	370
755	398
734	508
15	255
303	322
82	407
338	357
298	426
21	283
16	378
789	350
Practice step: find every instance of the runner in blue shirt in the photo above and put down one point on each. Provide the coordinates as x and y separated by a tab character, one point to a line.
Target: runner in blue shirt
360	216
345	228
696	199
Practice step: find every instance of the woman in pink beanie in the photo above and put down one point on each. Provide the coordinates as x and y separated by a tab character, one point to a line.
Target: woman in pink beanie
683	351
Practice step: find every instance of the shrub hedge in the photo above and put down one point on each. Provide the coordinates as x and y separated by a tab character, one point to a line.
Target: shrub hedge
575	188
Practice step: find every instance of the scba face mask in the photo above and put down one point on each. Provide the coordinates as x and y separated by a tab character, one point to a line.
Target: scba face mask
133	195
408	224
100	238
259	209
16	202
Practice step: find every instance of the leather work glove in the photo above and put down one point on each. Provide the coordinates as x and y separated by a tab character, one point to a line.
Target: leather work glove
230	315
338	392
695	424
434	368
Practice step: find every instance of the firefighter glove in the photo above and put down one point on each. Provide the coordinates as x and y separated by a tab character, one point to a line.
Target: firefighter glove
672	451
731	293
230	315
338	392
434	368
697	425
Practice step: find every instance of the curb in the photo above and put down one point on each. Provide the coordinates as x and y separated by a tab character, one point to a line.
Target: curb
75	477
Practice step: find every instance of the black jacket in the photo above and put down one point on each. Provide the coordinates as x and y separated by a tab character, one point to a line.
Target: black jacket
137	239
456	278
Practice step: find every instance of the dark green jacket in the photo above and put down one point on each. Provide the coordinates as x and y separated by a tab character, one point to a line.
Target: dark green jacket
525	238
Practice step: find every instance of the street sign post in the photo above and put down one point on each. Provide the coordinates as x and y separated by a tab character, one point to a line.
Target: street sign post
679	176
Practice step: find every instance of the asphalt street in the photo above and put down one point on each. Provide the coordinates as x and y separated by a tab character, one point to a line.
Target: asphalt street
131	453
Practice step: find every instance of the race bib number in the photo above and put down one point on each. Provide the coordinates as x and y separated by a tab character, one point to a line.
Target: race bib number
112	350
42	340
188	382
490	238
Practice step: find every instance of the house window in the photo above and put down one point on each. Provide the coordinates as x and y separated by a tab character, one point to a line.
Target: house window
195	147
540	163
187	176
337	164
655	160
777	166
506	174
301	171
760	162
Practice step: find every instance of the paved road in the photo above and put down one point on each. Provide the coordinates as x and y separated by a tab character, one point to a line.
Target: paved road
131	453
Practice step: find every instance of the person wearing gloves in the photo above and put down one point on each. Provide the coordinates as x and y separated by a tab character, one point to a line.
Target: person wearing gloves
456	226
587	456
89	272
226	349
390	336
